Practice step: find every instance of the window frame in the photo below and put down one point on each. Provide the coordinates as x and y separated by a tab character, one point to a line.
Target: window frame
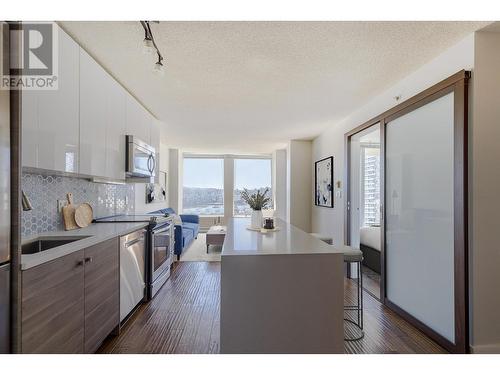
228	178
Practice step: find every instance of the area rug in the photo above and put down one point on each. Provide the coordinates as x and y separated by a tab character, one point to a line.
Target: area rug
197	251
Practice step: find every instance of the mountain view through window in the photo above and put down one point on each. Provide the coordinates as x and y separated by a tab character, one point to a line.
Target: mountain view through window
203	190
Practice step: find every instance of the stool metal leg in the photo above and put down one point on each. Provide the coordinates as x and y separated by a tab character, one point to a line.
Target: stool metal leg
358	307
360	295
360	281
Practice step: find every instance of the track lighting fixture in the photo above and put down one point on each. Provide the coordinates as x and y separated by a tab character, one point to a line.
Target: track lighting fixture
150	47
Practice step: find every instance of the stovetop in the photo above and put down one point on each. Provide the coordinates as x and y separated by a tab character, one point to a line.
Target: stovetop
146	218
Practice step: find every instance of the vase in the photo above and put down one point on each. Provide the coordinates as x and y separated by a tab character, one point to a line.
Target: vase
256	219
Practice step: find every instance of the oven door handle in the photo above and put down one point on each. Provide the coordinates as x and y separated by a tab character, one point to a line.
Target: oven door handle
161	230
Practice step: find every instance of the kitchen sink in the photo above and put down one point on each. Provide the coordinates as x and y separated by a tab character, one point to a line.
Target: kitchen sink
41	244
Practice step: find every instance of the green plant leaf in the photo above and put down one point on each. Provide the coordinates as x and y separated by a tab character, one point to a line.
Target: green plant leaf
257	201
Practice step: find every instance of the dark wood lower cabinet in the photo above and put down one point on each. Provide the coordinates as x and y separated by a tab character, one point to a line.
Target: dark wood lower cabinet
52	306
71	304
102	293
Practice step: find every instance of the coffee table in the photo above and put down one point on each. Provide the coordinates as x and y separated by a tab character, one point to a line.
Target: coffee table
216	235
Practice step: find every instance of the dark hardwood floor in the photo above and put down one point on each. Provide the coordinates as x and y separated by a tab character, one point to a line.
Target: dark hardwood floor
371	282
184	318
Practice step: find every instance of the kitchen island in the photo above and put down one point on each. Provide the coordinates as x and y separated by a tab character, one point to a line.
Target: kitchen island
281	292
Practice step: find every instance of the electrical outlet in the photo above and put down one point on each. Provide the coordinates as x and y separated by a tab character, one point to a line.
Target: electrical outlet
60	204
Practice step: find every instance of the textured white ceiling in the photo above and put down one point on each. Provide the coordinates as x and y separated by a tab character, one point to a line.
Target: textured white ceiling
252	86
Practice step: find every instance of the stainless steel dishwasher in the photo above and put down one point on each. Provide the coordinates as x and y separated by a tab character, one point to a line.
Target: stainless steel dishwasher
132	271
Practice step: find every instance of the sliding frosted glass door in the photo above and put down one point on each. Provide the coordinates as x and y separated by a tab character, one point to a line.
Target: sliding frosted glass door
420	156
419	225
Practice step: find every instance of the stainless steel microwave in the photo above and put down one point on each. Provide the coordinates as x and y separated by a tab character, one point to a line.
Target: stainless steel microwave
141	158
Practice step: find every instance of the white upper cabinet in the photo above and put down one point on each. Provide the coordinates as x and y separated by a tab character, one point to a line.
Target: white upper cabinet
93	116
154	139
102	121
115	129
81	126
147	123
138	120
58	112
30	128
50	119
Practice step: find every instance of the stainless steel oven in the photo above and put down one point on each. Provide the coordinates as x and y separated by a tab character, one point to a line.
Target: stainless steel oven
161	256
141	158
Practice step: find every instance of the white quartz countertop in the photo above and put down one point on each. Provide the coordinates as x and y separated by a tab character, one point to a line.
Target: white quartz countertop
288	240
95	233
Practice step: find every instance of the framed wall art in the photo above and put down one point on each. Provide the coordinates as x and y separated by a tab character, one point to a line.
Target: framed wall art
323	182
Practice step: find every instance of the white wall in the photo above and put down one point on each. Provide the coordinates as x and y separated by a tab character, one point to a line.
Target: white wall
175	179
228	187
279	183
484	178
330	221
140	189
299	184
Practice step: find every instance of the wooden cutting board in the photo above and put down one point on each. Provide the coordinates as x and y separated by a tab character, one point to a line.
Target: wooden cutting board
68	213
84	215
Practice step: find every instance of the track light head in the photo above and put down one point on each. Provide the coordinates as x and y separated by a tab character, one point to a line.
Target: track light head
159	68
148	47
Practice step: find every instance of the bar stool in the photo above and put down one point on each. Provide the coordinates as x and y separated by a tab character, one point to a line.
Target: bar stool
352	255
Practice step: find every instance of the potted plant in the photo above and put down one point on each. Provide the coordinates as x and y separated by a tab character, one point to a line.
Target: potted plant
257	201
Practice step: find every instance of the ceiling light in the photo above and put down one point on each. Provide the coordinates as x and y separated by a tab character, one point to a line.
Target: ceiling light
159	68
148	47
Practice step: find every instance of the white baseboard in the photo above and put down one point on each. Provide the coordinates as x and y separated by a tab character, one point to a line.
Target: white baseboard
485	349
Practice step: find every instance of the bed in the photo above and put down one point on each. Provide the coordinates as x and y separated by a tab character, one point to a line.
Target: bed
370	246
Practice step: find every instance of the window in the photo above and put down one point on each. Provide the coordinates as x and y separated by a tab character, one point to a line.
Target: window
203	186
251	174
370	177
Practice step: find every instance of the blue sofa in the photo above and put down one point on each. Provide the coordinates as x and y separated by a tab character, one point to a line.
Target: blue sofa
185	233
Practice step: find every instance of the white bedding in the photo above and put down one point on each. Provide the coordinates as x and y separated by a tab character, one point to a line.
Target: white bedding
370	236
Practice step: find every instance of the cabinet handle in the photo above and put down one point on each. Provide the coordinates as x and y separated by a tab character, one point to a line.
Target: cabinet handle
150	164
79	263
88	260
153	162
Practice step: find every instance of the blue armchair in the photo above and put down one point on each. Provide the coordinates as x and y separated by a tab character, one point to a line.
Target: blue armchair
184	234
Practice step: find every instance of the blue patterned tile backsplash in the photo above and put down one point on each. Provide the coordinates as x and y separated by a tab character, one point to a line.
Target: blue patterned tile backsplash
44	191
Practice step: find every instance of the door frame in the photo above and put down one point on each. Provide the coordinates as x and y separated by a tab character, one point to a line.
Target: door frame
458	84
347	189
